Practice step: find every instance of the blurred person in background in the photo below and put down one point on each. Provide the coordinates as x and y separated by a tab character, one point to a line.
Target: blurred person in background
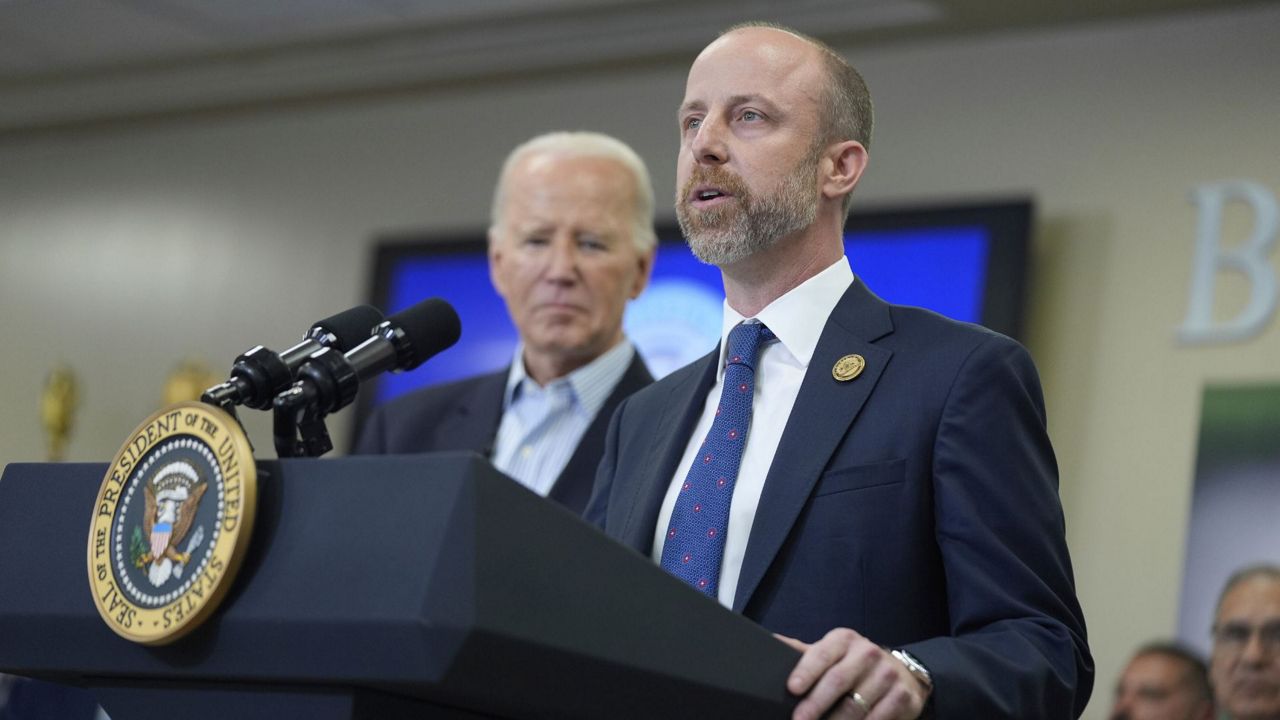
1245	665
1163	681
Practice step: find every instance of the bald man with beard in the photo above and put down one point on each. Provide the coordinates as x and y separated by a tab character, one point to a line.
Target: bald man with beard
873	483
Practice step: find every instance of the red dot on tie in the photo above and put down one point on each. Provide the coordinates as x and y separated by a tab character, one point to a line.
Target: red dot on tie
687	557
742	387
733	434
721	482
702	583
717	413
736	358
707	459
697	508
671	533
686	486
711	533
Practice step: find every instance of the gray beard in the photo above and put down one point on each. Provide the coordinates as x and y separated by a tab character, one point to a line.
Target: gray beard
724	235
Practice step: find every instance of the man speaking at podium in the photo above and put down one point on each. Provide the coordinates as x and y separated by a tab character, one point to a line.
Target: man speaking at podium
874	481
571	241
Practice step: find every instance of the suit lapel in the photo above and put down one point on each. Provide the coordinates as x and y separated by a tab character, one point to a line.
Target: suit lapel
473	418
825	409
652	470
573	487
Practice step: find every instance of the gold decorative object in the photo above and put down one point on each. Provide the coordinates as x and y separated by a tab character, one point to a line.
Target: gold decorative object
58	403
187	381
848	368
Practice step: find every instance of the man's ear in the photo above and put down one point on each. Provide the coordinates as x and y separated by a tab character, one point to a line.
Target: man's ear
847	161
645	260
495	260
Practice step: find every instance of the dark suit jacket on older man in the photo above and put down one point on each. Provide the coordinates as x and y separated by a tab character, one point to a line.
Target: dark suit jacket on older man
917	504
464	415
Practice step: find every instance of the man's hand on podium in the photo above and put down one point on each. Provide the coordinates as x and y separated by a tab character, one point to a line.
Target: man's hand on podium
845	675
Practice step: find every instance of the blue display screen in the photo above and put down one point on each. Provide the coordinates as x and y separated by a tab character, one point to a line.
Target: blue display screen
677	319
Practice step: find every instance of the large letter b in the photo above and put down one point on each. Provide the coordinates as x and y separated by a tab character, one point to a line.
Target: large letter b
1250	258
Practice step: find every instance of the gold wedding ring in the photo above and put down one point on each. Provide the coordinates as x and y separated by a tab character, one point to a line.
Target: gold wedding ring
860	702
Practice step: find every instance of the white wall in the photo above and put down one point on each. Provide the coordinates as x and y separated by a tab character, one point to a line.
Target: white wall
124	250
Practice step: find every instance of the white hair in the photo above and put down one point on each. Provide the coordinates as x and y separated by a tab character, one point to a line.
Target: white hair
582	144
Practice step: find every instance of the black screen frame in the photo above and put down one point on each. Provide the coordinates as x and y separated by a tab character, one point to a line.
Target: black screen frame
1007	221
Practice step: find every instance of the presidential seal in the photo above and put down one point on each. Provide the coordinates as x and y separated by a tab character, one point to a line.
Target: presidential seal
171	523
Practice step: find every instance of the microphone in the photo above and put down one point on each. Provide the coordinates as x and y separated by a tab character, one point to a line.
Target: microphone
403	342
259	374
328	380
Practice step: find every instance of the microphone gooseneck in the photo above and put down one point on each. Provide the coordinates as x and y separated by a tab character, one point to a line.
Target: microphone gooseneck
328	380
259	374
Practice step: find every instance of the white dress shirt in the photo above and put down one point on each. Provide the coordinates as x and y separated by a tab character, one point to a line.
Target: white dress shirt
542	425
797	319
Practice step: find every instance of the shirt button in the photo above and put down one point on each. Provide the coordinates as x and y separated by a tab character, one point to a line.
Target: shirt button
526	451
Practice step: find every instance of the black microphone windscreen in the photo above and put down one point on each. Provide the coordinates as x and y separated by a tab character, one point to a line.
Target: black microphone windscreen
429	327
351	327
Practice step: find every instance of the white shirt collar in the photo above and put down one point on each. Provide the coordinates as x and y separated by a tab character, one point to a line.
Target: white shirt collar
591	384
798	317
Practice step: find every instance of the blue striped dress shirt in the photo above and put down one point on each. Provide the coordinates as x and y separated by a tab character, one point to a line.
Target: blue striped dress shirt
541	425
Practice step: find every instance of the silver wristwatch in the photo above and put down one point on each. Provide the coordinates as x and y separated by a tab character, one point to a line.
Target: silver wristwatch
918	671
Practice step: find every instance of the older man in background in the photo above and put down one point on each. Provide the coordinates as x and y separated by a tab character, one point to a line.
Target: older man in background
1163	681
571	241
1245	666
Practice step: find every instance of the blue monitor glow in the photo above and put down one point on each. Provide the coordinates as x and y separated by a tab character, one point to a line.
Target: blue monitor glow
967	262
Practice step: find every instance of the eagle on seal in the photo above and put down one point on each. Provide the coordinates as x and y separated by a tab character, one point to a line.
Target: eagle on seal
172	499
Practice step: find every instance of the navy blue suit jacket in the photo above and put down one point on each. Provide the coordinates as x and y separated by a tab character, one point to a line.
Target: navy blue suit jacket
917	504
464	415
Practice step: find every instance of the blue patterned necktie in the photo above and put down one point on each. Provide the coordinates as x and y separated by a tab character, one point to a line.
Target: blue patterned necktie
694	546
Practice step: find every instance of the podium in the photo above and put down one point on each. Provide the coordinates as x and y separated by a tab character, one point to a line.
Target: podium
424	586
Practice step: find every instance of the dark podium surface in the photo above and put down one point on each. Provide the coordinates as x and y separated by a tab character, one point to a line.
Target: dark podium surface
426	586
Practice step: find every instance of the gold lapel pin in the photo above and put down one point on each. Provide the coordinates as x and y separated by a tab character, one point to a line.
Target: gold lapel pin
848	368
